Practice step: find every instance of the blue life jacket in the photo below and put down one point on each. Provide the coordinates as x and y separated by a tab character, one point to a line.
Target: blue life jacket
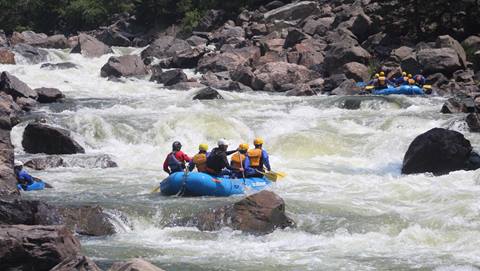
23	176
174	164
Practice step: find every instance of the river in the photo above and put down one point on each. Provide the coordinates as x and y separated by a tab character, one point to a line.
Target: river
353	208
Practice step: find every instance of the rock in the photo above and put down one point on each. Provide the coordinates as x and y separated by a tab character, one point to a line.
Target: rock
228	35
27	104
186	59
197	41
171	77
82	161
222	81
124	66
8	180
272	76
459	104
9	111
341	53
476	60
220	62
41	138
49	95
471	44
448	42
411	65
113	36
439	151
269	57
348	87
294	11
186	86
356	71
318	26
257	29
243	74
90	47
274	4
35	247
211	20
333	81
473	122
30	38
59	66
361	26
294	36
301	90
3	39
78	263
165	47
402	52
6	56
134	265
443	60
57	42
207	93
12	86
274	44
260	213
31	54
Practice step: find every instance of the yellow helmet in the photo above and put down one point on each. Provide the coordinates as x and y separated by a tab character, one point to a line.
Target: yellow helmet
404	74
203	147
382	74
243	147
377	75
409	76
258	141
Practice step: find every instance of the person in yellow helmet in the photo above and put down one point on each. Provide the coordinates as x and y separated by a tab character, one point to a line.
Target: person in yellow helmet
382	81
240	160
401	80
259	157
199	160
410	80
374	79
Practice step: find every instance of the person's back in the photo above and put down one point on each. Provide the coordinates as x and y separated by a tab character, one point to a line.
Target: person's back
199	160
217	162
241	162
259	157
23	178
175	161
401	80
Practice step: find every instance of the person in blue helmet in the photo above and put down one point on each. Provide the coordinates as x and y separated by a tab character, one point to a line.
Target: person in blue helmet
401	80
420	80
23	178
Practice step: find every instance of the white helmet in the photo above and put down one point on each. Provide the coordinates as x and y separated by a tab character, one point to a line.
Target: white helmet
18	163
222	142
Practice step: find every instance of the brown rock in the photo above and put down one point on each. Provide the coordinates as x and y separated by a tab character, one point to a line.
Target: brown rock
76	263
443	60
356	71
302	90
448	42
134	265
124	66
7	56
90	47
49	95
272	76
341	53
293	11
14	87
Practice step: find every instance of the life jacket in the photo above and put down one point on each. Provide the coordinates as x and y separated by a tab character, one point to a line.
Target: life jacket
173	163
215	162
237	160
200	161
411	81
405	79
255	156
382	81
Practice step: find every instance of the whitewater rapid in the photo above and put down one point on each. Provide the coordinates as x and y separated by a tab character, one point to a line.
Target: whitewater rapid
353	208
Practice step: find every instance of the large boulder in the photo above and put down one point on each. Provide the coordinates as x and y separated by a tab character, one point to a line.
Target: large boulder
439	151
207	93
76	263
35	247
31	54
90	47
42	138
7	56
448	42
318	26
82	161
294	11
170	77
473	122
218	62
356	71
260	213
443	60
341	53
8	180
272	76
347	87
14	87
57	41
124	66
165	47
134	265
228	35
294	36
30	38
459	104
471	43
49	95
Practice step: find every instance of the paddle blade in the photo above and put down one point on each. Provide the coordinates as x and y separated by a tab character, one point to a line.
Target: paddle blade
369	87
275	176
155	190
427	86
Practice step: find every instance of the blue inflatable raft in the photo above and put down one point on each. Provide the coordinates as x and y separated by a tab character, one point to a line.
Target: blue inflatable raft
201	184
37	185
403	90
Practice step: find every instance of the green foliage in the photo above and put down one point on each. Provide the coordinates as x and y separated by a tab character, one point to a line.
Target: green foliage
373	66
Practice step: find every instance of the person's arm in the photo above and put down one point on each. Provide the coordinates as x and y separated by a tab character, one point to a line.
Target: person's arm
181	156
165	166
191	166
230	152
226	164
266	160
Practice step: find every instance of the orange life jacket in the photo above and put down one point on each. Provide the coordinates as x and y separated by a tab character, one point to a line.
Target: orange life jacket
200	161
405	78
237	160
255	156
411	81
382	81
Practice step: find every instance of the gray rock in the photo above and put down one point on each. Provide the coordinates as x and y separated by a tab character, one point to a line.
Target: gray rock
319	26
134	265
294	36
165	47
411	65
271	76
30	38
402	52
443	60
348	87
49	95
78	263
471	44
458	104
211	20
448	42
170	77
27	104
14	87
41	138
473	122
356	71
59	66
90	47
124	66
301	90
207	93
82	161
293	11
341	53
31	54
57	42
196	41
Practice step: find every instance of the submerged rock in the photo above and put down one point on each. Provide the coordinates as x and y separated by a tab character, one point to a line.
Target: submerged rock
260	213
440	151
207	93
59	66
42	138
49	95
134	265
26	247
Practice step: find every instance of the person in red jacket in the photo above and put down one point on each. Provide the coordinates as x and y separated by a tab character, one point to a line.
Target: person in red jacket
175	160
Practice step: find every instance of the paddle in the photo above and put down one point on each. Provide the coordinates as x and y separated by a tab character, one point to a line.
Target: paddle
272	175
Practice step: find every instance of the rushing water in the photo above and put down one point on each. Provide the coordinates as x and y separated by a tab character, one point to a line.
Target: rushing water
354	209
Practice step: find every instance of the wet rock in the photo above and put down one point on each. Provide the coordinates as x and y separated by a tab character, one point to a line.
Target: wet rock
347	87
186	85
259	213
356	71
222	81
57	42
301	90
49	95
293	11
134	265
187	59
439	151
41	138
124	66
448	42
272	76
30	38
473	122
341	53
7	56
14	87
443	60
27	104
170	77
207	93
31	54
82	161
59	66
90	47
9	112
78	263
211	20
243	74
458	104
35	247
165	47
294	36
